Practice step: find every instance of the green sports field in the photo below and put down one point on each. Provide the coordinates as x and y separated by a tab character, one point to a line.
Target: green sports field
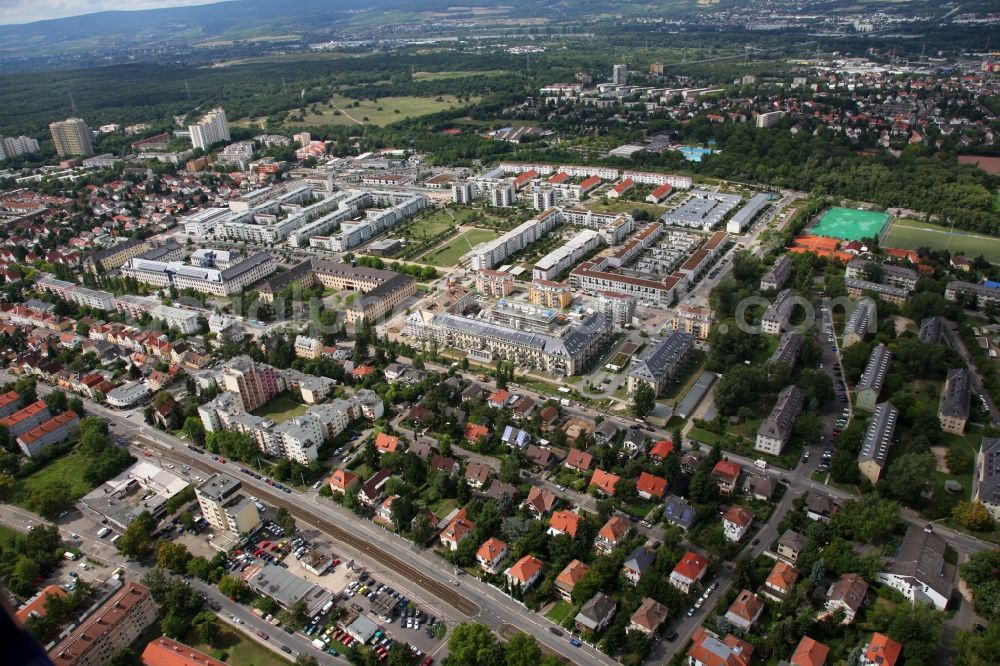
850	224
448	255
911	235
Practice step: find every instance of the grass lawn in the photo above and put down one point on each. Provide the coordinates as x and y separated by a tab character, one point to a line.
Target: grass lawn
443	507
614	206
561	611
64	471
382	112
233	647
676	391
458	246
7	536
281	409
912	234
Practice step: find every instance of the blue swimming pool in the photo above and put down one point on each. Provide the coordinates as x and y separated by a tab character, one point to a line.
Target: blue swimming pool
693	153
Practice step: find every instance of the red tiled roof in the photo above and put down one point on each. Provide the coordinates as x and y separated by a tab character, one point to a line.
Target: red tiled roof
606	481
386	443
727	469
37	604
572	574
691	566
579	459
566	522
883	650
661	449
809	653
525	568
25	413
652	485
165	651
737	515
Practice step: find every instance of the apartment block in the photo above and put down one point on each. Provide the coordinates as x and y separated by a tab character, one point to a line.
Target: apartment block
877	441
224	507
663	364
209	129
693	320
52	431
494	283
774	432
870	385
72	138
778	274
953	409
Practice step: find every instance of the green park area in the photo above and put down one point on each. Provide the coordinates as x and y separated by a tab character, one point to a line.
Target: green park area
384	111
910	234
233	647
281	409
449	254
437	76
63	472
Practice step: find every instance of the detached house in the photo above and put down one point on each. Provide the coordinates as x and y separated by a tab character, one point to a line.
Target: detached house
458	530
476	433
659	451
689	571
386	443
919	570
648	617
727	475
611	534
605	482
880	651
780	581
636	564
809	653
707	649
790	545
579	460
736	523
568	578
650	487
524	572
477	474
491	554
596	613
540	502
564	522
745	610
847	594
373	490
342	480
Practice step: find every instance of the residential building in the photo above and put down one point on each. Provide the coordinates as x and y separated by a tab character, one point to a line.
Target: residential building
611	534
727	475
707	649
778	274
72	138
579	460
619	74
918	569
255	383
224	507
648	617
568	578
12	146
809	653
819	507
745	610
775	318
463	192
557	295
745	216
308	348
987	476
477	474
788	349
774	432
107	259
225	282
494	283
596	613
491	554
780	581
372	491
10	402
619	308
52	431
858	288
663	365
458	530
790	545
932	330
847	594
563	257
689	571
650	487
897	276
860	323
564	522
694	320
736	523
26	419
880	650
605	482
116	623
953	408
878	441
679	512
636	564
769	119
870	385
524	573
342	481
209	129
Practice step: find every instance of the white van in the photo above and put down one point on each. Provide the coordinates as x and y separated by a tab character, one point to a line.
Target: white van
103	532
760	463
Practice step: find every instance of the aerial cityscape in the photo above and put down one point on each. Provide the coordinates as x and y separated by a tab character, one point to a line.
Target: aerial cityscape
502	334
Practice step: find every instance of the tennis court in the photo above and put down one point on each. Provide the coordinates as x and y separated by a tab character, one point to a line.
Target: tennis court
850	224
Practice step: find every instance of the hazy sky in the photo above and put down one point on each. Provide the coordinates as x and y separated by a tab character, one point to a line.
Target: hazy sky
25	11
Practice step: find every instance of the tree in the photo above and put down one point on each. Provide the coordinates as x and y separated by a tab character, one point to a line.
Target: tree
136	542
959	460
49	501
173	556
644	400
124	656
473	643
208	631
523	650
974	647
972	515
27	571
918	627
844	467
56	400
194	429
306	660
910	476
285	520
234	587
865	519
199	568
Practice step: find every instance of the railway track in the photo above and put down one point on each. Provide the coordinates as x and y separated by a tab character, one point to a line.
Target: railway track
442	591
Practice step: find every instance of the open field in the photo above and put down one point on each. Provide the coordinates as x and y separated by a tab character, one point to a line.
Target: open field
65	471
449	254
427	226
911	234
381	112
281	409
435	76
233	647
617	206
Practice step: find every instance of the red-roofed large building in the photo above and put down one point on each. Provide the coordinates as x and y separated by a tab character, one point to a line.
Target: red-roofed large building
707	649
621	188
650	487
881	651
589	184
809	653
491	554
25	419
564	522
606	482
660	193
58	428
165	651
10	402
689	571
116	623
524	572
